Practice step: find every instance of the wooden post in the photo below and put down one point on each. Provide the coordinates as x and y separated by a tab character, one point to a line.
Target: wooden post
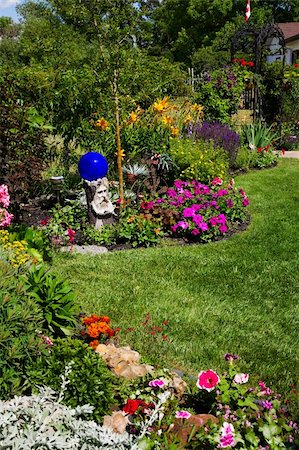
118	141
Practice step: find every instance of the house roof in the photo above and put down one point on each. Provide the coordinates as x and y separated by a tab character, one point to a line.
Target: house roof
290	30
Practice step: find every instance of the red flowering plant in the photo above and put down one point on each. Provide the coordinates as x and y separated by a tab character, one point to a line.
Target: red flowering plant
198	212
96	329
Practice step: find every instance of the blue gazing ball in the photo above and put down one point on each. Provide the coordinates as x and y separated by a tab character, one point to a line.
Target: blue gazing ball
92	166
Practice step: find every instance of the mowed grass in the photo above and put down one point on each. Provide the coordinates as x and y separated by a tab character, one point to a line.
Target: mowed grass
239	295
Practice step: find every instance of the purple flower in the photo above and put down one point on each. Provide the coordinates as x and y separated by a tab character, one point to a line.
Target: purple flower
221	219
171	193
229	203
241	378
197	219
266	404
231	357
182	415
157	383
245	201
222	192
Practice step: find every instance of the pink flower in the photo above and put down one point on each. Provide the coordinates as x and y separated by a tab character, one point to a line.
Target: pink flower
266	404
5	218
245	201
222	192
182	415
216	182
4	196
203	226
195	232
241	378
227	438
157	383
182	224
47	340
223	229
207	380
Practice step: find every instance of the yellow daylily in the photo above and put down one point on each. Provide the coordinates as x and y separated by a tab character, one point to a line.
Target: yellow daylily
167	120
160	105
102	124
174	131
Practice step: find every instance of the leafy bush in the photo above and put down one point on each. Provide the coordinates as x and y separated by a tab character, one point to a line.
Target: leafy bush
20	320
16	252
199	159
139	229
38	245
40	421
90	381
221	135
55	298
106	235
199	212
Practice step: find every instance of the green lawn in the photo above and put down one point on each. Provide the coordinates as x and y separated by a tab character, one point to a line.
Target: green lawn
238	296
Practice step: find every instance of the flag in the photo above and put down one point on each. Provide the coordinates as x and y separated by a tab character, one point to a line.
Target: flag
248	12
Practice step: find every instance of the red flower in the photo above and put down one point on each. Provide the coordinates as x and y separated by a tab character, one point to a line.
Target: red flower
243	62
296	65
71	234
283	151
250	64
207	380
45	221
131	406
235	60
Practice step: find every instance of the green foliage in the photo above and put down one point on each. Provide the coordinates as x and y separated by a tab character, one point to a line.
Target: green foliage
20	320
138	229
199	159
55	298
219	93
38	245
90	381
106	235
258	135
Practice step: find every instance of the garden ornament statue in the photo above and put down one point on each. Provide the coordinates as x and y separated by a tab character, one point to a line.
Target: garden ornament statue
93	168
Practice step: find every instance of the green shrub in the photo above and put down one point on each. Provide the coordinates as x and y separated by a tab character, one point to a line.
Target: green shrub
139	229
90	381
106	235
20	320
38	243
199	159
55	298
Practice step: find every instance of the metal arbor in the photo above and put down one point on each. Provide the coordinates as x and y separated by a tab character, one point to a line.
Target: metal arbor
266	43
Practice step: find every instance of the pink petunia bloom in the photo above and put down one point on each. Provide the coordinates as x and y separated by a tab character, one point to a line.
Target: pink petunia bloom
221	219
197	219
229	203
207	380
222	192
266	404
216	182
227	438
45	221
195	232
213	221
203	226
223	229
157	383
187	194
245	202
188	212
182	415
182	224
171	193
4	196
241	378
5	218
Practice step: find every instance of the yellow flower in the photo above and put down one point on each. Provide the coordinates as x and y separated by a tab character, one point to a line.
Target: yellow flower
188	119
160	105
122	153
174	131
132	118
197	108
102	124
156	231
167	120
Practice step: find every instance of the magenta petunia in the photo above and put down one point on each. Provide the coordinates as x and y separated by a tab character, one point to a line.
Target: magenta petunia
195	232
207	380
227	438
157	383
182	415
203	226
182	224
245	201
216	182
223	229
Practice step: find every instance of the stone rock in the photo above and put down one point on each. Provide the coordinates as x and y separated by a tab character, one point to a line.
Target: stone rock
178	384
117	422
84	249
123	361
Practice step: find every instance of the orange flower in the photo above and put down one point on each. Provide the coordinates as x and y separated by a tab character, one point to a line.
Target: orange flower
91	319
102	124
94	344
174	131
156	230
122	153
131	219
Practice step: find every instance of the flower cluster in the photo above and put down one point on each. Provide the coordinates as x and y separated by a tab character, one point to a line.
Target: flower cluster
200	212
16	252
133	406
221	135
96	329
243	62
5	216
